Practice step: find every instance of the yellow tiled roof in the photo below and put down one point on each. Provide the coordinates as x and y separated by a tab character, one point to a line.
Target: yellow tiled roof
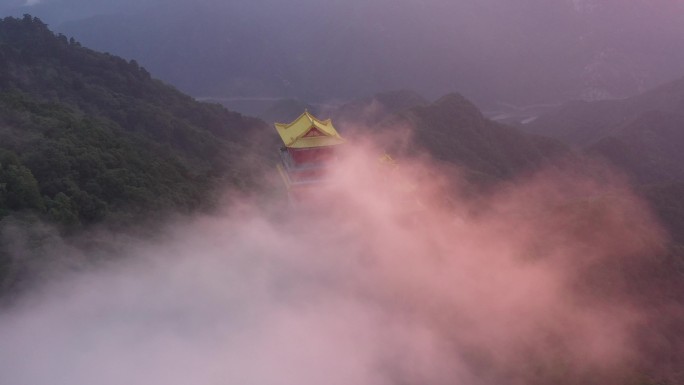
294	134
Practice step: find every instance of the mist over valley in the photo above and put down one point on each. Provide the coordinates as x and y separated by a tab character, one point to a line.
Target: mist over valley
472	192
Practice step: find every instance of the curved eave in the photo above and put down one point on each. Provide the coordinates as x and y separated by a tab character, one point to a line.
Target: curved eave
316	141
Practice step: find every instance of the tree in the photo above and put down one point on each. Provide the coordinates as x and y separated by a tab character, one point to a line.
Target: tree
19	189
63	210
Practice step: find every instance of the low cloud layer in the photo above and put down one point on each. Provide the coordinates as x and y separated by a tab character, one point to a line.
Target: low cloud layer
386	275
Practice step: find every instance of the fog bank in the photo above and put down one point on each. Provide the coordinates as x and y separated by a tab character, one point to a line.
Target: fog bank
387	275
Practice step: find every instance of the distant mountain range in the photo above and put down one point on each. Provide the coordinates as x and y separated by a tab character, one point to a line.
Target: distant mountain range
584	123
642	135
493	51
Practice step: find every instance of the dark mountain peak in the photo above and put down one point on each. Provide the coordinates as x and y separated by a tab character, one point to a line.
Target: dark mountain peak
26	31
457	101
454	130
456	108
25	23
452	97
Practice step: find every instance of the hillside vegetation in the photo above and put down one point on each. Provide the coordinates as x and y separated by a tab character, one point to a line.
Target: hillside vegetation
86	136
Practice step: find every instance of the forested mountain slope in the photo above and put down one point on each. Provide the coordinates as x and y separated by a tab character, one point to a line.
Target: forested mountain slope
86	135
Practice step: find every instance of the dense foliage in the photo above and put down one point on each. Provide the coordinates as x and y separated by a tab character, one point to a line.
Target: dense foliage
86	136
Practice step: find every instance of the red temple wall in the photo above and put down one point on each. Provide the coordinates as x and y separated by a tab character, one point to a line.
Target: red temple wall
311	155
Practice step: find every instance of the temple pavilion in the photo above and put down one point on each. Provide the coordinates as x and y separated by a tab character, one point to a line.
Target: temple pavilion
309	147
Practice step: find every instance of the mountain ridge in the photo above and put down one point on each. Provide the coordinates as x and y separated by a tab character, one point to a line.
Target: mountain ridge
583	123
360	48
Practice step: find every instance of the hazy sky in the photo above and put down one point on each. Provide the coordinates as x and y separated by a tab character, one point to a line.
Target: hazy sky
515	51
